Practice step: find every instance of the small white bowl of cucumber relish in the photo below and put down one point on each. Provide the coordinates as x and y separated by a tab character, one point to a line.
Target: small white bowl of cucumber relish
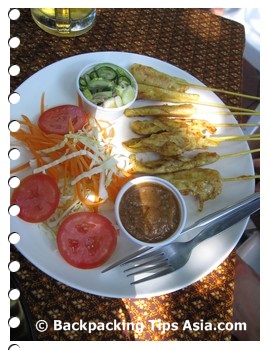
106	90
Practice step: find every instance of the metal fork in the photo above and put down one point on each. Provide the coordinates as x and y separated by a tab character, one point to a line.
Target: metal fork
175	255
211	218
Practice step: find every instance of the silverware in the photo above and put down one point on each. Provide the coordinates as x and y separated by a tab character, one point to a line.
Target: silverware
211	218
173	256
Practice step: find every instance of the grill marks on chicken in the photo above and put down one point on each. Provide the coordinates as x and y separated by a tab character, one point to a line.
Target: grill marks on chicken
170	133
172	164
170	137
152	77
202	183
148	127
170	143
184	110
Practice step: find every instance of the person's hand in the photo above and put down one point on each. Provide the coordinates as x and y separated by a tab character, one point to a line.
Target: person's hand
246	306
217	11
256	163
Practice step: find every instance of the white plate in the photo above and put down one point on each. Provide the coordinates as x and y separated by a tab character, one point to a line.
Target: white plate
58	83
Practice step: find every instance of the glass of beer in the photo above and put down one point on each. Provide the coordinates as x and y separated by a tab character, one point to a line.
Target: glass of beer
64	22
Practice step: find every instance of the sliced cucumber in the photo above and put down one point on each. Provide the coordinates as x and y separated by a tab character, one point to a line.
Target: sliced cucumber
87	94
106	72
99	85
93	75
99	97
107	85
110	103
118	101
82	82
128	95
119	90
123	81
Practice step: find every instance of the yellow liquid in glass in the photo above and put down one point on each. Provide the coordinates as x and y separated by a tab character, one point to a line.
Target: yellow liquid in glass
64	21
75	14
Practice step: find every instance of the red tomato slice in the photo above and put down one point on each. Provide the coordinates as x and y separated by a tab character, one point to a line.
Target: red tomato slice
37	196
86	240
56	120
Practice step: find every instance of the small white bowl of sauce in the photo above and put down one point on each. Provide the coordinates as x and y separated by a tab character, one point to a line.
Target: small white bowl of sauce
150	211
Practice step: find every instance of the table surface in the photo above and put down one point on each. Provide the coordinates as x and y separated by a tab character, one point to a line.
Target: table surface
210	48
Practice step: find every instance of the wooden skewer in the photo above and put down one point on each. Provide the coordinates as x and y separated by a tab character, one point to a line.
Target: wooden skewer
195	181
162	166
235	125
242	177
219	105
237	154
254	137
224	91
251	112
148	75
184	110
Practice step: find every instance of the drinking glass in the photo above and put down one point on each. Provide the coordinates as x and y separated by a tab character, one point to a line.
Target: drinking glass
65	22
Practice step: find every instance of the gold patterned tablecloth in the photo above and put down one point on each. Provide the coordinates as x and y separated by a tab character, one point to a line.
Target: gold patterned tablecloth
208	47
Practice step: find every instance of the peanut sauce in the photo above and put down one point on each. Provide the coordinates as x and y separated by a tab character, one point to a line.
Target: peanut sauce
149	212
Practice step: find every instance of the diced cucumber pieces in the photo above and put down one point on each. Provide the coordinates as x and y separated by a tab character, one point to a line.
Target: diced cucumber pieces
107	85
106	72
123	81
119	90
118	101
110	103
93	75
82	82
87	94
99	85
128	95
99	97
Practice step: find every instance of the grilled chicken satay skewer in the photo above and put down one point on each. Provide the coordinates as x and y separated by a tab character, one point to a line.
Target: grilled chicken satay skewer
184	110
158	86
147	92
150	76
175	164
148	127
202	183
175	143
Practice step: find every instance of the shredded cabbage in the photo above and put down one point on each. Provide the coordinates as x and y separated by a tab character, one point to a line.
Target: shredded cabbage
104	162
96	148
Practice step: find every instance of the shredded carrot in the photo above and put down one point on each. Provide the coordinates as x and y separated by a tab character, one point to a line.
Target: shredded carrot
42	105
116	184
104	129
71	127
83	198
80	103
60	146
127	174
19	168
